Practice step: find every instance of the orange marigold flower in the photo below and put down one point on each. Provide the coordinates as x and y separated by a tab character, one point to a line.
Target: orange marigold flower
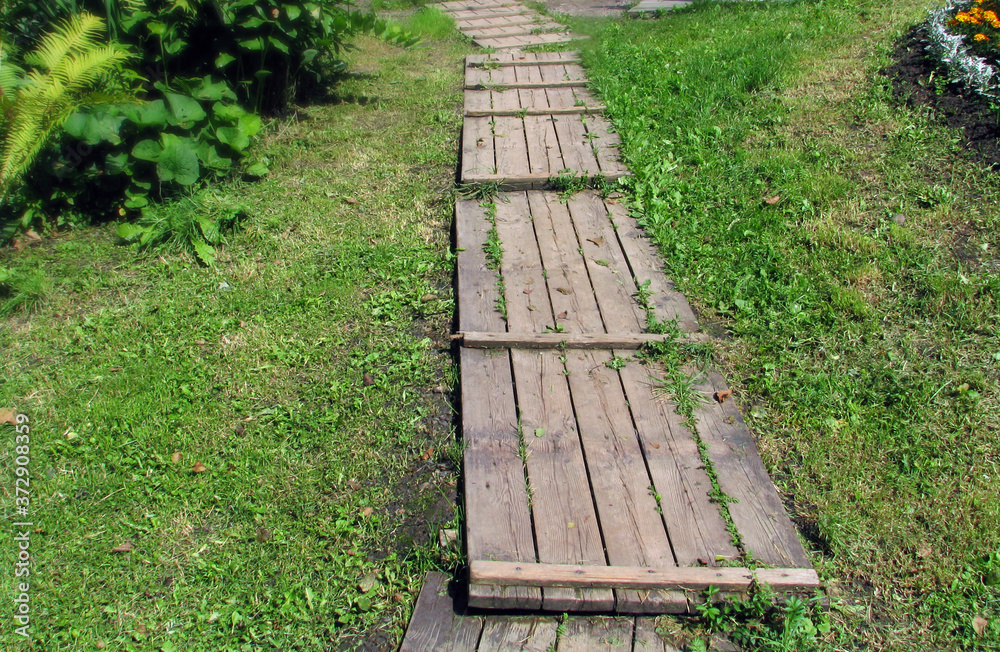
981	37
990	15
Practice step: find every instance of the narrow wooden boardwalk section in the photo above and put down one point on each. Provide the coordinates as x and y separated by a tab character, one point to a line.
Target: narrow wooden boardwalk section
504	24
436	627
530	119
585	490
574	456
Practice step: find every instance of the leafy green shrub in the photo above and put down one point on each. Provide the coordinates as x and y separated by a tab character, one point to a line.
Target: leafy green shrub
196	223
202	66
56	79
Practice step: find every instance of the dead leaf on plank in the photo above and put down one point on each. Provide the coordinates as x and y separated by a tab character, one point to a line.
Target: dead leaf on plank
597	241
528	291
723	396
562	315
562	291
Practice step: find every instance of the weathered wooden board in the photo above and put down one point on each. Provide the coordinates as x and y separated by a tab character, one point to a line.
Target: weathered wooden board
641	577
566	526
569	110
514	30
524	41
588	634
435	627
633	531
497	21
693	521
758	513
647	639
478	154
668	304
607	266
498	518
489	12
627	341
523	634
458	5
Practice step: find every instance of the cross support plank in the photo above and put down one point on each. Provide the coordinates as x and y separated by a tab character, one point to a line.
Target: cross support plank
562	83
738	580
631	341
562	110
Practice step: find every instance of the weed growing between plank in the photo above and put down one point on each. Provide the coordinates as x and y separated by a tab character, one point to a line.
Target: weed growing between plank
849	247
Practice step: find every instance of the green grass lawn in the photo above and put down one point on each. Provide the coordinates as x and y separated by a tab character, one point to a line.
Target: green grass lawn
845	248
271	436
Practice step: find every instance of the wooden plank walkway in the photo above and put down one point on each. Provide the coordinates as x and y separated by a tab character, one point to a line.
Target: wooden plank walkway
531	119
436	626
584	489
504	24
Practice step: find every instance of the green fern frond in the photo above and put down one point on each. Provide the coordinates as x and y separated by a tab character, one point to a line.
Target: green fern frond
77	34
10	73
68	63
82	71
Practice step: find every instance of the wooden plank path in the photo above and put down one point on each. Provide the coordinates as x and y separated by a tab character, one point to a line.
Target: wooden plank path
530	119
585	490
436	626
504	24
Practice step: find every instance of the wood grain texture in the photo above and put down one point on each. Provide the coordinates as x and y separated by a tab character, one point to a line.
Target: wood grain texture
646	638
634	534
511	147
454	5
566	527
480	340
544	156
498	520
606	263
435	627
604	142
522	19
588	634
694	523
570	110
758	513
524	41
514	634
562	83
569	285
732	579
478	157
466	14
477	284
645	265
513	30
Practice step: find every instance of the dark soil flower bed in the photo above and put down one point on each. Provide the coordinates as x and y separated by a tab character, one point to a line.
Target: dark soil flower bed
918	80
